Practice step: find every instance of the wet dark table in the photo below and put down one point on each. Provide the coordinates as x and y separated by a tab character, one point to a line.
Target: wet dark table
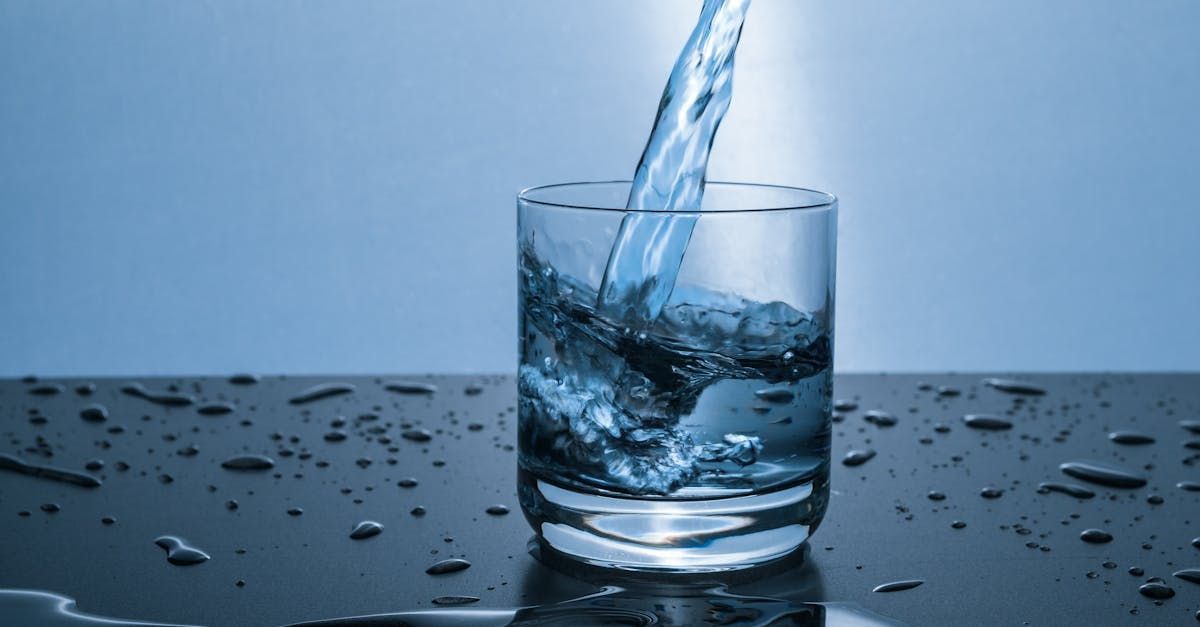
1013	559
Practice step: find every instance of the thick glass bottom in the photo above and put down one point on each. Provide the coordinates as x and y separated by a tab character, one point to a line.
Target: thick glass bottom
656	534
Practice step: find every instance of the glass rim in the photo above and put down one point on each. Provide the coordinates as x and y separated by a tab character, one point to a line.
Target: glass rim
826	200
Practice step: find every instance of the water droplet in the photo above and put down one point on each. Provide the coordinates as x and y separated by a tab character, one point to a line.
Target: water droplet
295	511
94	413
1095	536
49	389
179	552
455	600
410	387
1103	474
858	457
244	379
987	422
448	566
51	508
190	450
335	436
844	405
417	435
166	399
407	482
936	496
95	464
1136	572
473	390
1189	574
1154	499
1156	590
321	391
248	462
475	426
1014	387
897	586
241	583
947	391
1070	489
366	529
958	524
108	520
417	511
776	395
991	492
1193	445
1130	437
215	409
8	462
85	389
231	505
1109	565
1188	486
880	418
1191	425
497	510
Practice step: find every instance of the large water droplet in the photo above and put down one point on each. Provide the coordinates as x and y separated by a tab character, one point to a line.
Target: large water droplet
1130	437
448	566
244	379
987	422
1014	387
366	529
49	389
1189	574
897	586
94	413
858	457
248	462
880	418
1095	536
8	462
166	399
321	391
179	552
1156	590
1103	474
410	387
215	409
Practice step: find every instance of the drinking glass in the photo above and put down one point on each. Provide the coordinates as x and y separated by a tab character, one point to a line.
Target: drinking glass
689	434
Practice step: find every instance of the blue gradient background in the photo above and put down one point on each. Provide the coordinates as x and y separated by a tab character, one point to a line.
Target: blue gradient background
318	187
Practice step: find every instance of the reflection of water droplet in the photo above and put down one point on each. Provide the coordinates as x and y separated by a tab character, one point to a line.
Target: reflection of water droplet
1156	590
1014	387
179	552
410	387
366	529
1095	536
1069	489
1130	437
776	395
897	586
1103	474
880	418
497	510
94	413
987	422
455	600
321	391
448	566
248	462
858	457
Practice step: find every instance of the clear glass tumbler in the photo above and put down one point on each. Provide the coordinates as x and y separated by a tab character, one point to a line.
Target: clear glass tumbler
686	435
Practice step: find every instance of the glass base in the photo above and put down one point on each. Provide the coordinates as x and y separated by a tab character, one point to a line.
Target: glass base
682	536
